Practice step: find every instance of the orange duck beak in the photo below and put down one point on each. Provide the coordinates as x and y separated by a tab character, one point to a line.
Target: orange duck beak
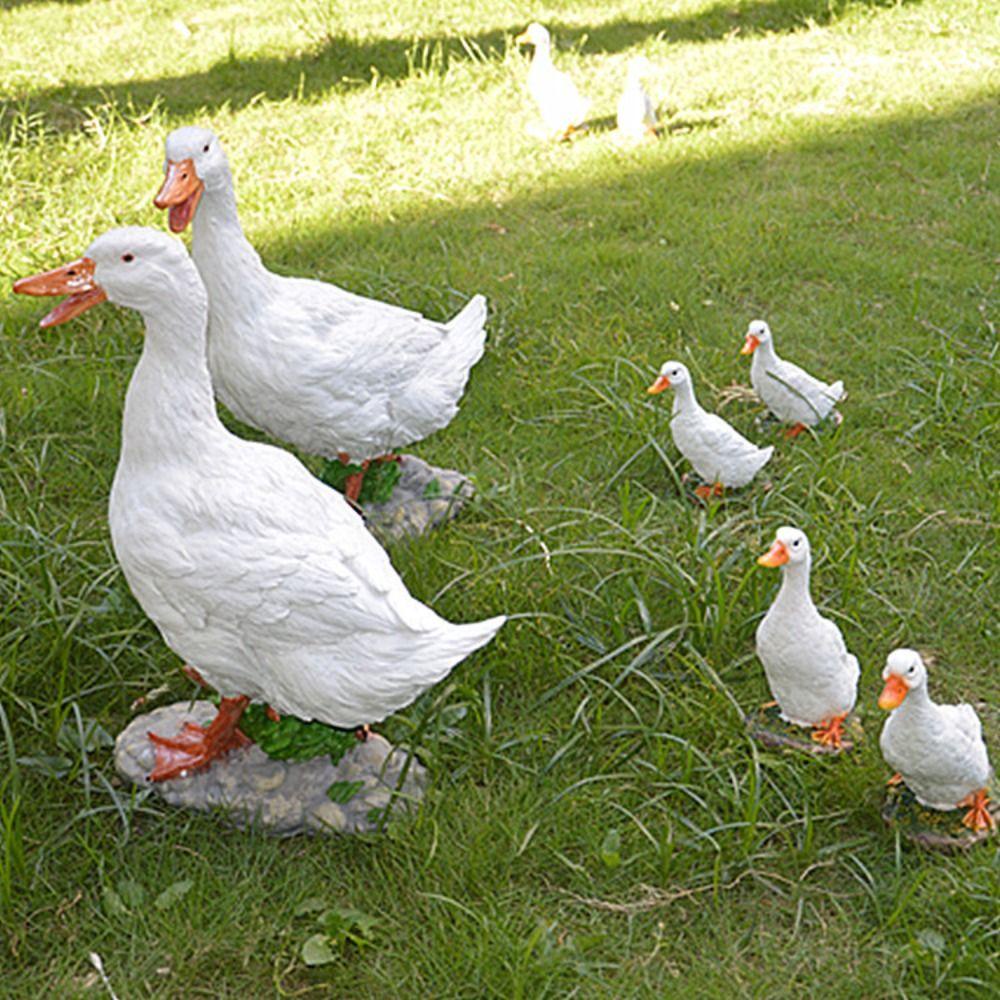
750	344
75	279
661	383
181	191
776	555
895	690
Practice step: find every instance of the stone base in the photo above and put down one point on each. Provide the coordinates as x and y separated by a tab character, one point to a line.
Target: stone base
282	797
768	728
932	829
424	497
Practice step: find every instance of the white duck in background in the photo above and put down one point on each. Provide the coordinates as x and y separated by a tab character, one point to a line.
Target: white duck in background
256	574
562	106
812	676
636	114
790	393
333	373
937	750
718	452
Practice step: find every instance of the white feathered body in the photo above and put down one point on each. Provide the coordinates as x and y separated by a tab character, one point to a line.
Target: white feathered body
257	574
717	451
811	674
320	367
559	102
636	114
938	750
790	393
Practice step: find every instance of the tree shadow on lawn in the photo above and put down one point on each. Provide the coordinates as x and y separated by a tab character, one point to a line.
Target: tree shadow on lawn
343	63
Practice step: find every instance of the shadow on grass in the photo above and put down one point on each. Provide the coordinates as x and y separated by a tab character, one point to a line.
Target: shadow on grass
342	62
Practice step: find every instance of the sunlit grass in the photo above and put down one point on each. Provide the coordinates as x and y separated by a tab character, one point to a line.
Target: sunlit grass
598	822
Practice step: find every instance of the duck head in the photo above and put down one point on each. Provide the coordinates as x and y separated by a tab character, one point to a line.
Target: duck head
130	267
757	333
672	375
535	34
195	161
904	671
638	67
790	547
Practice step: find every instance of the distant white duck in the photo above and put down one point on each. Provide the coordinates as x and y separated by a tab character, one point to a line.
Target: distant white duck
718	452
562	106
636	114
790	393
812	676
333	373
258	575
937	750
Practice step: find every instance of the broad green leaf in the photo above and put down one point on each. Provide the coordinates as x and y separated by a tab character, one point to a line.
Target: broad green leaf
317	951
173	893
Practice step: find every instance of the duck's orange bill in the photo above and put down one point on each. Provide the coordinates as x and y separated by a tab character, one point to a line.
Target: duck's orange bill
661	383
893	693
776	555
75	279
522	39
750	344
181	191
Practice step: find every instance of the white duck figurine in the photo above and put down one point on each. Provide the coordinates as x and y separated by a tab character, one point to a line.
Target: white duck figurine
256	574
718	452
562	106
333	373
812	676
937	750
790	393
636	114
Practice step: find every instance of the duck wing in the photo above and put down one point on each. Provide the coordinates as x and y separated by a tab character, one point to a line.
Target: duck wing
818	395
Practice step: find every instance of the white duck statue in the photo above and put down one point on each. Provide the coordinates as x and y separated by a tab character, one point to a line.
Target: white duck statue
563	108
790	393
812	676
937	750
636	114
721	456
259	576
331	372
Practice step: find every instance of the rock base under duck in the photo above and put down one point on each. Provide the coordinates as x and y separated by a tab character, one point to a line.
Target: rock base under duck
422	497
932	829
769	729
281	797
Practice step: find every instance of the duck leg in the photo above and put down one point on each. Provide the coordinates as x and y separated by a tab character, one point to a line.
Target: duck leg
896	779
831	732
705	491
195	747
979	816
795	430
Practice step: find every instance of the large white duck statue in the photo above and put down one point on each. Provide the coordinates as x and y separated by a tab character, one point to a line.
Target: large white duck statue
718	452
562	107
812	676
333	373
256	574
790	393
937	750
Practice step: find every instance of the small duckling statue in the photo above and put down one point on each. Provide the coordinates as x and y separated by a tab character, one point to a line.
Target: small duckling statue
562	106
719	453
937	751
636	114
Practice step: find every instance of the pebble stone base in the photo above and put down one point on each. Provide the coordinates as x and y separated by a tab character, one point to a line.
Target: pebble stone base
933	829
411	511
282	797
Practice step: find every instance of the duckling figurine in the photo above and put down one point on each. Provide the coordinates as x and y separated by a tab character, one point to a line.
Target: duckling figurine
790	393
562	106
258	575
812	676
636	114
719	453
937	750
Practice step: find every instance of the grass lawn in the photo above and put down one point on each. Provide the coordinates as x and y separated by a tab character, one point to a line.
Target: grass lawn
599	824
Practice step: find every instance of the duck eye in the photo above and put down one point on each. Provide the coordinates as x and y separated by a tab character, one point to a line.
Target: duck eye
204	148
128	258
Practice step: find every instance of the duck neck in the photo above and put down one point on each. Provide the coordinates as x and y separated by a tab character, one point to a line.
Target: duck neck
685	401
765	356
170	407
543	56
795	585
229	265
916	705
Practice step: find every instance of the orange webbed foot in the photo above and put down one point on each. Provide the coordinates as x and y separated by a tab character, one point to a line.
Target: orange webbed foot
195	747
896	779
979	816
795	430
831	732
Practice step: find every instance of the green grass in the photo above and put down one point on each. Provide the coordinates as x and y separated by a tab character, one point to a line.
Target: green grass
598	824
